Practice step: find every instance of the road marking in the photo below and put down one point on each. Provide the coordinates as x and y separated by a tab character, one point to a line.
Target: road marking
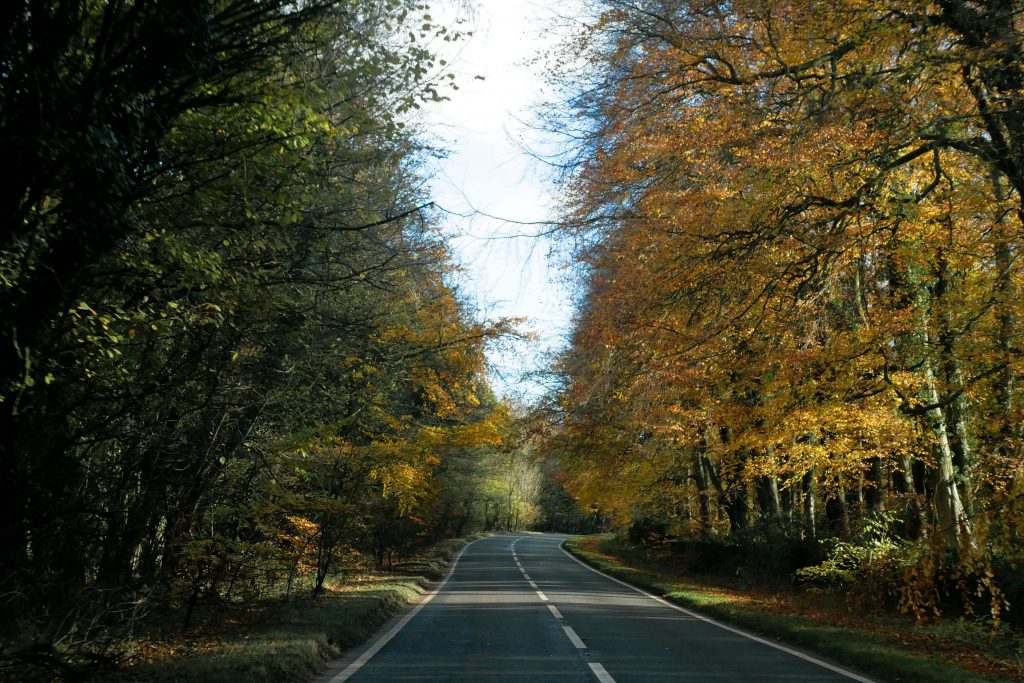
368	654
532	583
554	612
601	673
576	641
778	646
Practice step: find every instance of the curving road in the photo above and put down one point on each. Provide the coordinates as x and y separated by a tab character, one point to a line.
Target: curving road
519	608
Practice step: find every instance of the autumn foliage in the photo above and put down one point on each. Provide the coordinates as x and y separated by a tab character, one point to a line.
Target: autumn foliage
799	225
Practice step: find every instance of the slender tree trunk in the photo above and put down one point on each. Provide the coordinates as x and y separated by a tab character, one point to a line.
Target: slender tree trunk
807	490
1008	431
903	484
786	496
874	493
736	508
768	497
949	510
951	514
732	494
837	515
907	347
952	381
700	478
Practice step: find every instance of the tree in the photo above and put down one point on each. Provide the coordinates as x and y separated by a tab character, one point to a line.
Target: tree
795	225
230	357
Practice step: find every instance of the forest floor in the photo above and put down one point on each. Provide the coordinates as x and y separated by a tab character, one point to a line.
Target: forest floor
290	638
887	646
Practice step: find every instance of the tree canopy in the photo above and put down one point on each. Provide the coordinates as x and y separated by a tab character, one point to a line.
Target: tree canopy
231	353
799	227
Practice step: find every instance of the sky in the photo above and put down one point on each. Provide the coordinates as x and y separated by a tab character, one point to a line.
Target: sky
499	196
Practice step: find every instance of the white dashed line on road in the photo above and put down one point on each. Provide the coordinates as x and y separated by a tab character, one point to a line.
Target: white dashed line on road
601	673
576	640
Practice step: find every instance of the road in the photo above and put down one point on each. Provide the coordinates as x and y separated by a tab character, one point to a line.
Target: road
519	608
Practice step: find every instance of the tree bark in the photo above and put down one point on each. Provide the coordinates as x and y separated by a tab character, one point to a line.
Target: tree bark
874	494
837	515
768	497
950	515
700	478
807	489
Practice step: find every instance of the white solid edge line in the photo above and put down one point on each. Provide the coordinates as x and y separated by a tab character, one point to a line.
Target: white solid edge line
601	673
574	638
796	653
554	612
368	654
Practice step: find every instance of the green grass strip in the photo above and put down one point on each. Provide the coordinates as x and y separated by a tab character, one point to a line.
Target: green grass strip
856	648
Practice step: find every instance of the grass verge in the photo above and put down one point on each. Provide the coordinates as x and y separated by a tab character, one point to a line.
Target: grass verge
886	647
283	640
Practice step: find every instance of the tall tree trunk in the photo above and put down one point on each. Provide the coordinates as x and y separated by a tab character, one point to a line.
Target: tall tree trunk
951	515
700	478
837	516
732	494
903	484
952	381
949	510
736	507
786	497
907	346
874	493
807	489
1008	430
768	497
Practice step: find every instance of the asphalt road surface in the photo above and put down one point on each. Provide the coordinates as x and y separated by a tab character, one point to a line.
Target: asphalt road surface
519	608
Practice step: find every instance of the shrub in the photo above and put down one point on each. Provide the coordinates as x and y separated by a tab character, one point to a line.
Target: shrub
872	561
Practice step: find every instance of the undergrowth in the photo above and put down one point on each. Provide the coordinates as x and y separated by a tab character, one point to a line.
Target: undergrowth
289	637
